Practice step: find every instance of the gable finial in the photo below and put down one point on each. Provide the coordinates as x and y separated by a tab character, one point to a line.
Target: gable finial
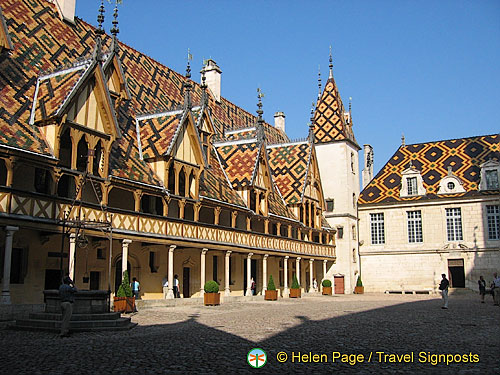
204	96
331	64
115	30
319	82
403	141
100	20
450	170
350	110
187	84
311	124
260	112
411	164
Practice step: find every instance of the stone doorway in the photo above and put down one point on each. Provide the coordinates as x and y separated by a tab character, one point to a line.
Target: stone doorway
185	282
456	273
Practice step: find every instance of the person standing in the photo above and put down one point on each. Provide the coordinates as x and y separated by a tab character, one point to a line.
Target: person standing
66	294
315	285
252	286
496	289
164	284
176	287
136	287
482	288
443	287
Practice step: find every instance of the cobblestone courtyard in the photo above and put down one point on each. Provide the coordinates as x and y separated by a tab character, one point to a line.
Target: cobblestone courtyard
197	339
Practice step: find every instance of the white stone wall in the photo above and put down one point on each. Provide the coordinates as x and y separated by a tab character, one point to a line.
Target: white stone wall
400	265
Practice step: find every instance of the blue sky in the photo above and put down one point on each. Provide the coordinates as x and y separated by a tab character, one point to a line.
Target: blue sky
428	69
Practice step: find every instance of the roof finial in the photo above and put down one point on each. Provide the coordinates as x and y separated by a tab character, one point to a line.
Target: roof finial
403	142
204	96
187	83
115	30
319	82
350	107
331	64
311	123
100	20
260	112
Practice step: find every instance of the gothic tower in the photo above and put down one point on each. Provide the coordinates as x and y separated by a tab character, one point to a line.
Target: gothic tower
337	152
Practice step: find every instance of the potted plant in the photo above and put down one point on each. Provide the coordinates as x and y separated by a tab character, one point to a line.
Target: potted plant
327	287
124	300
359	288
211	297
295	289
271	292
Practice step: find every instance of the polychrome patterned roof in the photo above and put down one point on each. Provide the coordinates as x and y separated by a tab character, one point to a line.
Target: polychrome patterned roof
278	207
329	121
157	133
288	164
432	159
239	161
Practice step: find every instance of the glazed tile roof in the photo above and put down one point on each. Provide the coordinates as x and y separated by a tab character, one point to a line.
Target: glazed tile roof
239	160
5	41
432	159
157	132
288	164
329	118
278	207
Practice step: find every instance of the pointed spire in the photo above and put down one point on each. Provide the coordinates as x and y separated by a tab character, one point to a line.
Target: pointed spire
204	96
331	64
319	82
115	29
260	112
187	83
350	108
403	142
311	124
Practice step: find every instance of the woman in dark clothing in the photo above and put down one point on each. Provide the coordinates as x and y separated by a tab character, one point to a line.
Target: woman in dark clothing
482	288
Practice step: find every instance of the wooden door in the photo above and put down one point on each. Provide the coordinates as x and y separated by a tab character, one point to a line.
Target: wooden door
339	284
185	282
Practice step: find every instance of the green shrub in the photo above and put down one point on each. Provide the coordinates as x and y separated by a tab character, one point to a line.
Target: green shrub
124	290
359	282
211	287
326	283
295	283
270	284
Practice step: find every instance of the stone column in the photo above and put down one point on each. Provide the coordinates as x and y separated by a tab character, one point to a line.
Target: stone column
285	276
324	274
227	276
72	248
125	244
249	274
297	269
7	259
264	273
311	289
170	293
202	271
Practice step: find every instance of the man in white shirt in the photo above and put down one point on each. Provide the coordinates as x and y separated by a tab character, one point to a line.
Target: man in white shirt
496	290
164	283
176	287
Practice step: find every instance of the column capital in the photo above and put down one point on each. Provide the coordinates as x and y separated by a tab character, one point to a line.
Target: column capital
324	261
266	256
204	251
126	241
228	253
10	229
299	258
287	257
72	237
249	255
311	260
172	247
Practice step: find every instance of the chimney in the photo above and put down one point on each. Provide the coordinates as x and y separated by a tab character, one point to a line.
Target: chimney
279	121
368	169
66	10
212	74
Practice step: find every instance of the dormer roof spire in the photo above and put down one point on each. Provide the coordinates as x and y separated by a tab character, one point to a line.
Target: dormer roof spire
115	29
260	112
204	96
311	123
330	65
319	82
187	83
100	20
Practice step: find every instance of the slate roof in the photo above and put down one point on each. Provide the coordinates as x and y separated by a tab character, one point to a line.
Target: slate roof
432	159
289	164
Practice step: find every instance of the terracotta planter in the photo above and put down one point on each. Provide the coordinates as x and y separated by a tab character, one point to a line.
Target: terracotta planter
294	293
271	295
327	291
124	304
211	299
359	289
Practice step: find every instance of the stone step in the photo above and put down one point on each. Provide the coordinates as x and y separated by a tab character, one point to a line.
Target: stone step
76	326
75	317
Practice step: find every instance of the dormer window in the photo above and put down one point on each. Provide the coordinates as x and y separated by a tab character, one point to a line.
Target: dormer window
450	184
412	183
490	172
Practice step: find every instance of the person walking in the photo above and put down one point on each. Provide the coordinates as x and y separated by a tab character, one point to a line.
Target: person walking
443	287
66	294
482	288
496	289
164	284
136	287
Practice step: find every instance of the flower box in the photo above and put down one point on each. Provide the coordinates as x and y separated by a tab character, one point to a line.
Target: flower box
211	299
271	295
327	291
124	304
359	289
294	293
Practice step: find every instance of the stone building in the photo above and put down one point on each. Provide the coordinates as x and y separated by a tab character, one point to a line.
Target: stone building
433	208
110	160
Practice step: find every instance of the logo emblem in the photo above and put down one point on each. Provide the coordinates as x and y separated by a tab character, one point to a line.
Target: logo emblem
256	358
